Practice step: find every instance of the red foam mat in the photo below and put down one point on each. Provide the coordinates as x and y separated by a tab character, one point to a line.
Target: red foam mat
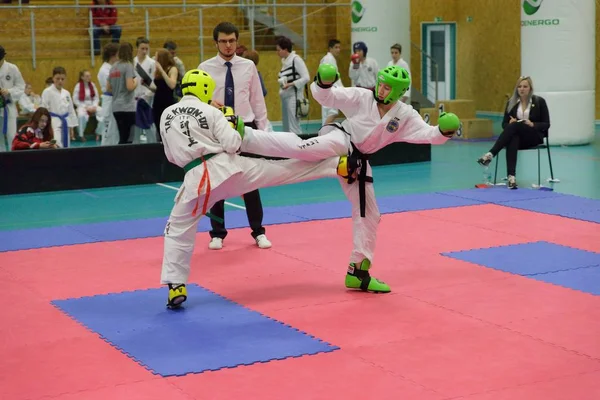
450	328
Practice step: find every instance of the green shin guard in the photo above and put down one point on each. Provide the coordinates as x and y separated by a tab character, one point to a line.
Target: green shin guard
358	277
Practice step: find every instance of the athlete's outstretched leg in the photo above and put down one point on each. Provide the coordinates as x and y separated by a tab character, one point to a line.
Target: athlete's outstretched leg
364	238
290	145
258	173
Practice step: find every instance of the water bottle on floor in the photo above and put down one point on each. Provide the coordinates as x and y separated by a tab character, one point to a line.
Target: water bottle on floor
487	175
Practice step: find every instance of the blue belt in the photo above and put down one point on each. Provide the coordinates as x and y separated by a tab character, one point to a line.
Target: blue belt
64	134
5	127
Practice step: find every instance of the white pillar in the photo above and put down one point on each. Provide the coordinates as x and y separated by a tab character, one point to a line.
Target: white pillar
558	51
380	24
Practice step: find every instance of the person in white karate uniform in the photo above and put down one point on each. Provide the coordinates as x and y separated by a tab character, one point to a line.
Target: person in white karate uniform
60	104
363	70
328	115
12	87
374	119
205	142
86	100
109	129
144	67
29	101
397	60
293	79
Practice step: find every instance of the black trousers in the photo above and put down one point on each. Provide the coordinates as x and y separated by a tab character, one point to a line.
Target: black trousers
254	211
125	120
516	136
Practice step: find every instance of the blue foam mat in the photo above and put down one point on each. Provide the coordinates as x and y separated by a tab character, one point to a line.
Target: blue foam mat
424	201
153	227
564	205
533	200
529	258
319	211
210	333
582	279
501	194
20	239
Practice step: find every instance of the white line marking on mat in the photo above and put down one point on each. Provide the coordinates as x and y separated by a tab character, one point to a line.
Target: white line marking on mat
176	188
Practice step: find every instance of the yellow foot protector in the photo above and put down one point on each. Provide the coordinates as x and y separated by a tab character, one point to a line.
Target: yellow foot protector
177	295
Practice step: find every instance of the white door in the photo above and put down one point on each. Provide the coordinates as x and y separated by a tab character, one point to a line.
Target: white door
438	45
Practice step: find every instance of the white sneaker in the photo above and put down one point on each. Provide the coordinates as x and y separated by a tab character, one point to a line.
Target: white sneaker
263	242
215	243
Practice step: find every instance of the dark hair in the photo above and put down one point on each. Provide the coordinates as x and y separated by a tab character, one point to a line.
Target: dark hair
252	55
170	45
126	52
332	43
58	71
141	40
47	133
227	28
49	81
397	46
284	43
110	50
240	50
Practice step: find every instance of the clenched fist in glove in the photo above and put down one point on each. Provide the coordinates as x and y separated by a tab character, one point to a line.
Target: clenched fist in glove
326	76
448	124
355	58
234	121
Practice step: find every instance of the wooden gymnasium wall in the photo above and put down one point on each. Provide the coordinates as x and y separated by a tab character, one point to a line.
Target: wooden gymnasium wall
488	48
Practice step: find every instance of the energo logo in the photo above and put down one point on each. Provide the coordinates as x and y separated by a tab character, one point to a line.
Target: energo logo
531	6
357	11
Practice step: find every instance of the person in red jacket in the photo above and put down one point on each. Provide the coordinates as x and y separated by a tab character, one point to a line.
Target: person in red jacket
104	18
36	134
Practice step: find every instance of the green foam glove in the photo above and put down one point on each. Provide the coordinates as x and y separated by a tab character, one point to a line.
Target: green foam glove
326	76
448	123
234	121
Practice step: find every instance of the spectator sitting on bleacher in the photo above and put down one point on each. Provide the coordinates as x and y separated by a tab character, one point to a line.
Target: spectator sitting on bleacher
105	23
525	125
29	101
86	100
36	134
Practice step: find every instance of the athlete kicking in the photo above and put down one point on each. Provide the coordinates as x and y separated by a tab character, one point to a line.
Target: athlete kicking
374	119
204	142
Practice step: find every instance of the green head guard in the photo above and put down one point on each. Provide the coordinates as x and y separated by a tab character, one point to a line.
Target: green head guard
397	78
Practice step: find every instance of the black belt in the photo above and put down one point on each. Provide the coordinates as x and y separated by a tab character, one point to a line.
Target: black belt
362	176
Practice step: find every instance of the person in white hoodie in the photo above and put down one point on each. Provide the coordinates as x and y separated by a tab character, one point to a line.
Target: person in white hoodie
293	78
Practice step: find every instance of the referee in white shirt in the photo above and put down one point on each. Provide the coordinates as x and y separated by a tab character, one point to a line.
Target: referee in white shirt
238	86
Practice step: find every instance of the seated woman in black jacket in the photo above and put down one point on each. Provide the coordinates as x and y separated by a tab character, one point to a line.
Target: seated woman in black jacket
526	123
